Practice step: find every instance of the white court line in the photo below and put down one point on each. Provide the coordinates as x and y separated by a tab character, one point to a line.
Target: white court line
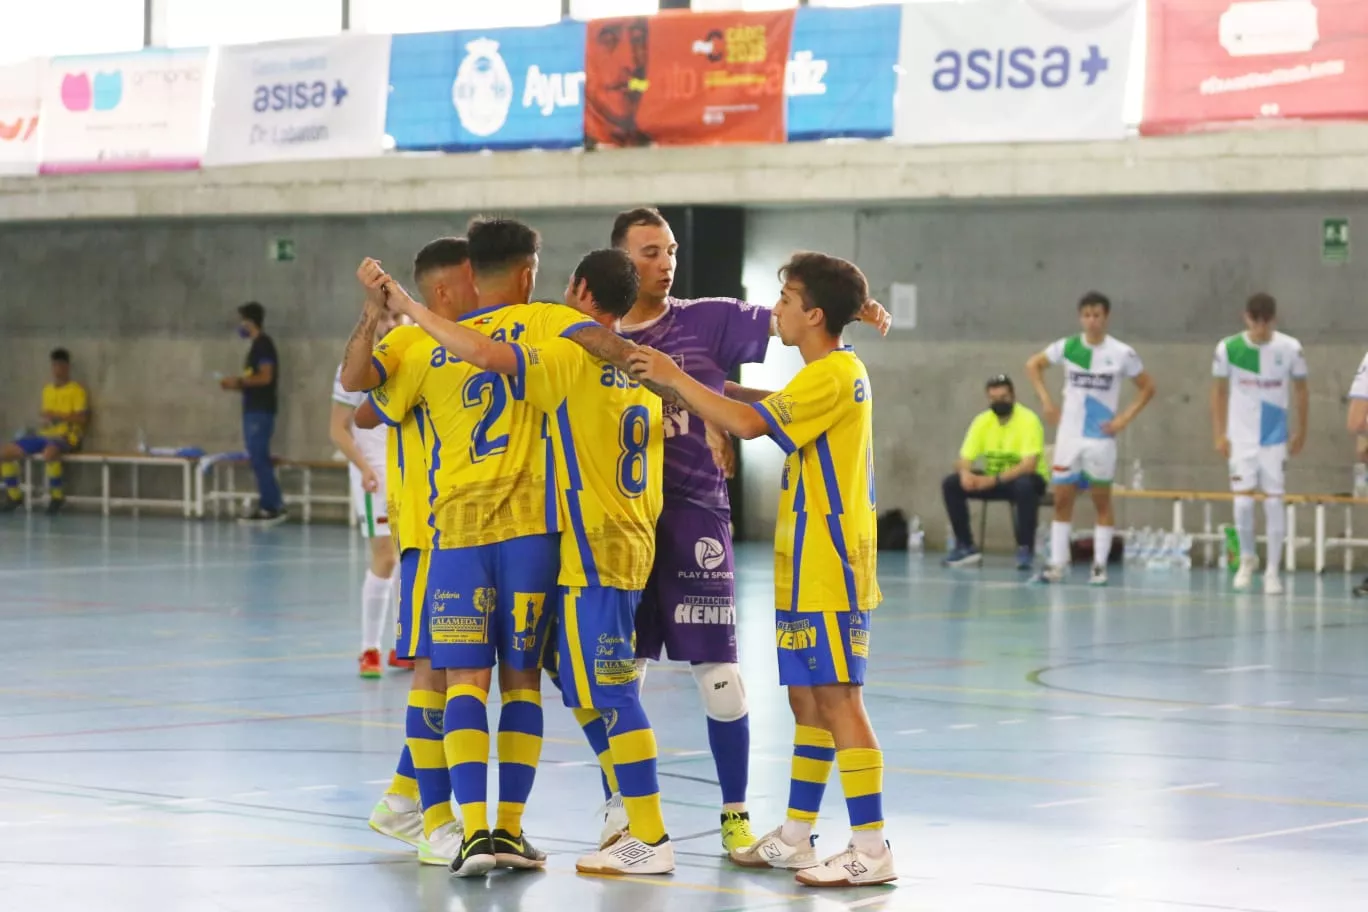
1289	832
377	782
1055	804
912	731
1226	706
315	788
1236	669
690	754
1172	788
963	725
1062	718
1011	722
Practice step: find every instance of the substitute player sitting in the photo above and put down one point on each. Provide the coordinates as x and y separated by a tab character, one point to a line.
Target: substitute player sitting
1255	371
825	588
607	435
65	414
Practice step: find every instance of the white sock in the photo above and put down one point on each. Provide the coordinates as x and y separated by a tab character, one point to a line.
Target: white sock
1244	525
1276	519
1102	543
375	599
870	842
795	832
641	666
1059	543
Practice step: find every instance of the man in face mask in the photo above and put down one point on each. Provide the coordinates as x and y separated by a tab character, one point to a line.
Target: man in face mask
1009	439
258	381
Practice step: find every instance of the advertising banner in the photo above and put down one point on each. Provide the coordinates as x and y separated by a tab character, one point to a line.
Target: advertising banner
687	78
997	71
124	112
20	93
842	72
1216	63
512	88
290	100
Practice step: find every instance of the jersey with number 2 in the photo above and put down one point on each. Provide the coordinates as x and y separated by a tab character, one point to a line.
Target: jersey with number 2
488	450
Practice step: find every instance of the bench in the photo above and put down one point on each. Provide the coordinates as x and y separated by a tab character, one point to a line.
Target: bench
216	485
1320	541
136	461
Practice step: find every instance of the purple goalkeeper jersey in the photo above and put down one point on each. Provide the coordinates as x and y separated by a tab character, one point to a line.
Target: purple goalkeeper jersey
709	338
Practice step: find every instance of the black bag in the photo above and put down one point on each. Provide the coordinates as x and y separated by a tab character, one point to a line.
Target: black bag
892	531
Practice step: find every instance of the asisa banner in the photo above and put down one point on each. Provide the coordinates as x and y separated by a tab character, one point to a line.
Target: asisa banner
124	112
290	100
513	88
1214	63
1000	71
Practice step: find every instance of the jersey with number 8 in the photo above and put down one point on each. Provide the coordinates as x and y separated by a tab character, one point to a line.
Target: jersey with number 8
486	449
608	435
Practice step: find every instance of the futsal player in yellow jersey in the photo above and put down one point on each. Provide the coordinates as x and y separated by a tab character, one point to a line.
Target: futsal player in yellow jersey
492	574
65	413
417	807
608	438
824	563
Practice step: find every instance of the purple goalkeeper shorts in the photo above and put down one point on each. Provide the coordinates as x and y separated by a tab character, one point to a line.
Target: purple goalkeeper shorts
689	606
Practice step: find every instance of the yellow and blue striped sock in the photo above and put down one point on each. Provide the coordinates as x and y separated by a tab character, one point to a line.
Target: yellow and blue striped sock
813	752
405	783
633	745
862	782
596	733
9	475
423	741
520	747
53	468
466	741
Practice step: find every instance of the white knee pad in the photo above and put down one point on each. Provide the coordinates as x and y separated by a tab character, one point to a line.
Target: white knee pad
723	692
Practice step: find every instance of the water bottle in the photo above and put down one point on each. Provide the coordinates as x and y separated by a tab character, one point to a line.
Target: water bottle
1137	476
1360	480
142	441
1231	554
916	537
1185	551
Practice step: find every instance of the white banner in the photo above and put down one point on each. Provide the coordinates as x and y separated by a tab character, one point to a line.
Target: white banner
20	93
124	112
995	71
317	98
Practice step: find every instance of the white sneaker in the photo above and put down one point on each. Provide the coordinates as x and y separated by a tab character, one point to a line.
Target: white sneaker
852	868
771	851
1272	583
1099	576
614	821
442	847
629	855
398	818
1051	574
1244	577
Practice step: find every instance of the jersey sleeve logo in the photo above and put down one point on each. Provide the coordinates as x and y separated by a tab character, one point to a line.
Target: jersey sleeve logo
782	406
381	396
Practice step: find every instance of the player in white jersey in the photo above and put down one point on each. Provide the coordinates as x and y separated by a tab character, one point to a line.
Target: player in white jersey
1255	373
1095	364
365	450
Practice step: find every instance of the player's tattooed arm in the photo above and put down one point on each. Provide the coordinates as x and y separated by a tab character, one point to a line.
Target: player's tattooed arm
358	372
606	345
656	369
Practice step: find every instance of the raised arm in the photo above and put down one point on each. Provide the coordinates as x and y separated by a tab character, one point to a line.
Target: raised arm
358	371
460	341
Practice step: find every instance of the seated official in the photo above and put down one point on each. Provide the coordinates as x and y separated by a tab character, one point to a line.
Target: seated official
1010	440
65	413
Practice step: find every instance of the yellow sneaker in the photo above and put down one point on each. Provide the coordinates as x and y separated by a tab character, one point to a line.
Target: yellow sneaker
736	831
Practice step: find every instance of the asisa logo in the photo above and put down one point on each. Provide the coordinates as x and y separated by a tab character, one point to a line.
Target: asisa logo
78	93
296	96
1020	68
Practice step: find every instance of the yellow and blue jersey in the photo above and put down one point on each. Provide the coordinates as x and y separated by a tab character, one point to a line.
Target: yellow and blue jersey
486	449
67	399
825	538
406	485
608	438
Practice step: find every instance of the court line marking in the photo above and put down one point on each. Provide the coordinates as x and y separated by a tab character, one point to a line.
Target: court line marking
912	731
1236	669
1229	840
963	725
1011	722
1196	786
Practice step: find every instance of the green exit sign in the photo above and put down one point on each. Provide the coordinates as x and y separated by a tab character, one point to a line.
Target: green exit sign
1335	240
281	250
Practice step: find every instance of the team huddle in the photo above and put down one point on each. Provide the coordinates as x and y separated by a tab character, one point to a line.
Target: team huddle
555	484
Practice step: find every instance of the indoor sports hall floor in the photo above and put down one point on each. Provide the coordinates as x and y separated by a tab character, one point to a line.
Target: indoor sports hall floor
182	728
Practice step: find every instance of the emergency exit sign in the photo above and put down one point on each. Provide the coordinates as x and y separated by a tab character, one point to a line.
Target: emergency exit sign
1335	240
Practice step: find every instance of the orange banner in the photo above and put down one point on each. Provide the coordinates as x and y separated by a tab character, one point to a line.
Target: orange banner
686	79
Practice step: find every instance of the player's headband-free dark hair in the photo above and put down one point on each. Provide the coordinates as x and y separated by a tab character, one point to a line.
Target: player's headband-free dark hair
612	280
497	243
253	313
834	285
626	221
440	253
1262	307
60	354
1095	299
1000	380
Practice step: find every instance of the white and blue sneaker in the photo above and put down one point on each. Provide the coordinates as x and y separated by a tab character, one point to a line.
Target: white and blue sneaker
963	556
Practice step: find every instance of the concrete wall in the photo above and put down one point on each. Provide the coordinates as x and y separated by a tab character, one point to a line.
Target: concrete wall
147	309
997	283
